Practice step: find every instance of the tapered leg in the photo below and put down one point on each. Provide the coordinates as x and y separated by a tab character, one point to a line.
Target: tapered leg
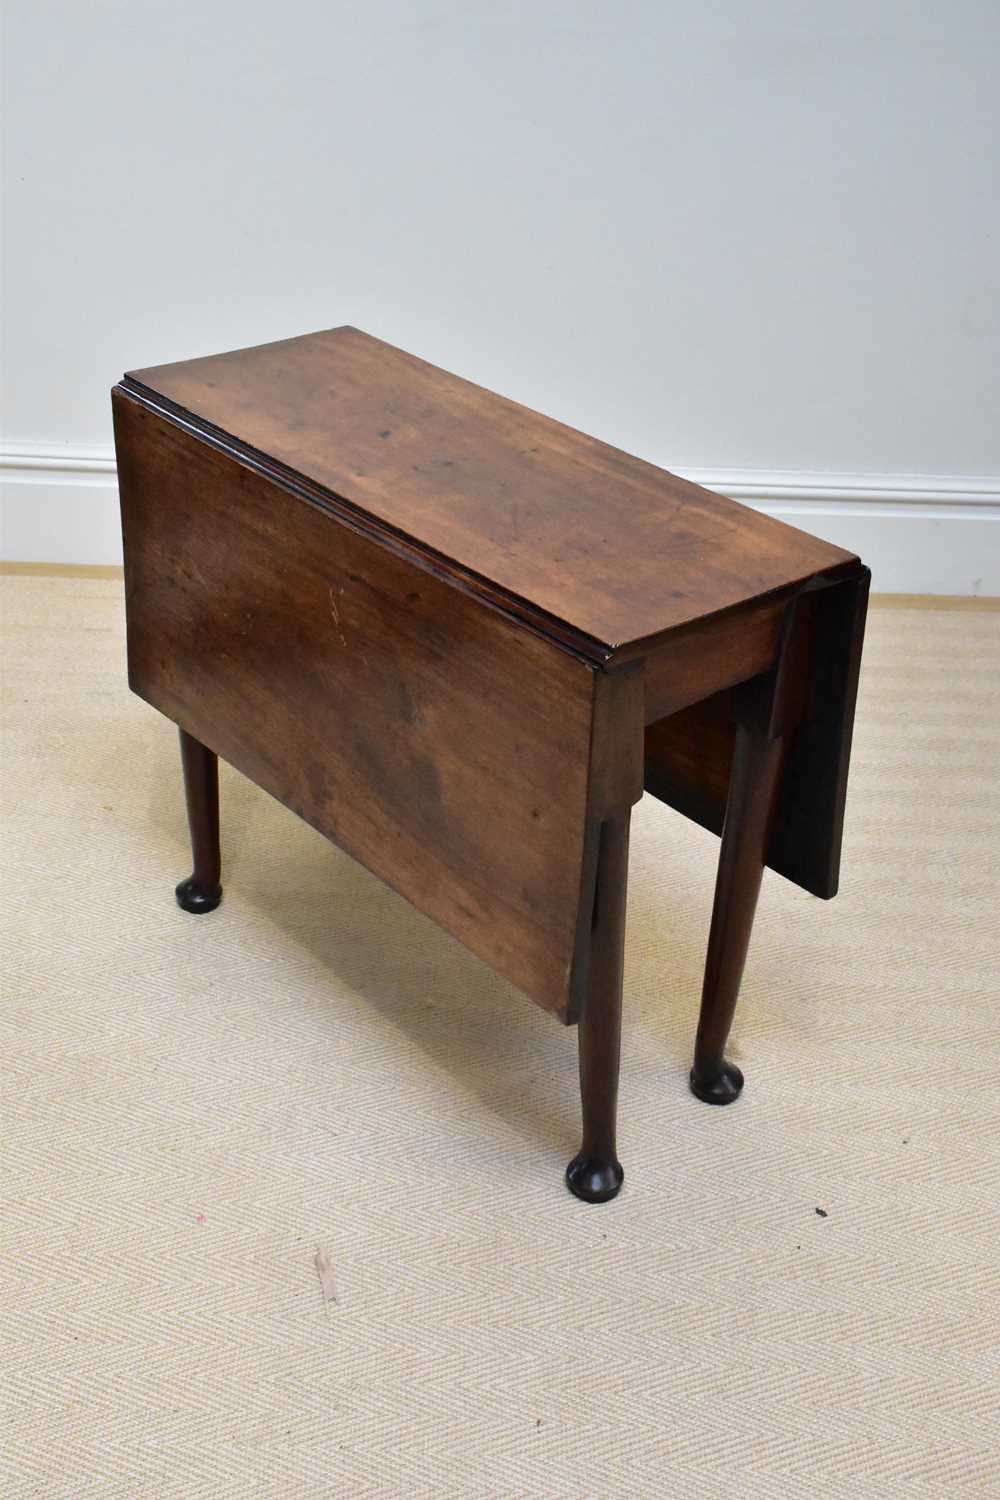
753	786
595	1173
201	891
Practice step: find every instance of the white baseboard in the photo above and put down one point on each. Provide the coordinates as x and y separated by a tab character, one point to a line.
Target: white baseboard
920	534
59	506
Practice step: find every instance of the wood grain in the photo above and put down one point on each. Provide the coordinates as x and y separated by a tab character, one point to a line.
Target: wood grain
709	655
442	745
565	529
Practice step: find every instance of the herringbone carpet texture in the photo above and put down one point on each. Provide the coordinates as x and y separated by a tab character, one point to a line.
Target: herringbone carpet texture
193	1106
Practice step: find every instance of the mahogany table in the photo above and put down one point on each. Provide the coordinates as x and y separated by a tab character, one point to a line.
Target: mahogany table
460	639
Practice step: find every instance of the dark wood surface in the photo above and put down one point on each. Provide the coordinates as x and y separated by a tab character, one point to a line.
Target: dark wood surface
460	639
765	713
712	654
688	753
807	836
590	544
595	1174
756	769
202	891
441	744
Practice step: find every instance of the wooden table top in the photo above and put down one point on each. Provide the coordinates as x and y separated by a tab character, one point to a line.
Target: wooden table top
589	544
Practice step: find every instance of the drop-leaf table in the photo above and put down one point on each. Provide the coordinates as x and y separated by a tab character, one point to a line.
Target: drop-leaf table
461	639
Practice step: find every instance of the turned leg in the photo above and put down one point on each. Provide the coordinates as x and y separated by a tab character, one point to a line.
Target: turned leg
595	1173
201	892
753	785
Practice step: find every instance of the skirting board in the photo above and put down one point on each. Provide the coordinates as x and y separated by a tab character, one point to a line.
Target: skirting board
59	506
919	534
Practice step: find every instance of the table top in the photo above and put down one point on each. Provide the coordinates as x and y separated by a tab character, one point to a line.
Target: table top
580	538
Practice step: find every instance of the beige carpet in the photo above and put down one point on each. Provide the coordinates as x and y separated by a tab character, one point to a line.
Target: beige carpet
193	1106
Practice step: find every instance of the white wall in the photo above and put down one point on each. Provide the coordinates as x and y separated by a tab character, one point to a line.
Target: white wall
757	241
